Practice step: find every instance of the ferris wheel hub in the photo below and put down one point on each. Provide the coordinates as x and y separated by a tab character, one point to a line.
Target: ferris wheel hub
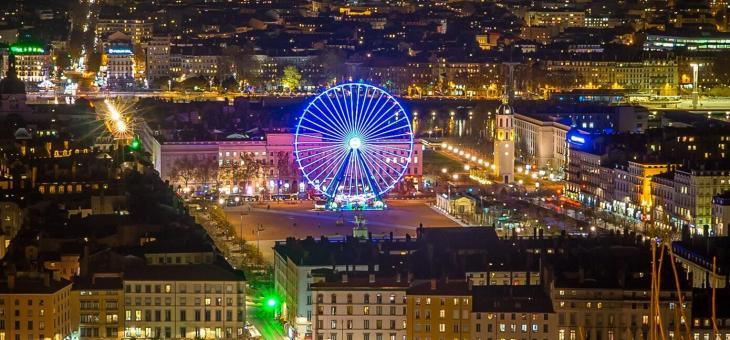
355	143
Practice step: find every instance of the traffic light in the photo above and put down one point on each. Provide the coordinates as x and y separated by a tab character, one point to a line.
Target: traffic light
135	145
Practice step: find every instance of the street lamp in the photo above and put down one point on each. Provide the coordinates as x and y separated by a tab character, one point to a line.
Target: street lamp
695	85
169	85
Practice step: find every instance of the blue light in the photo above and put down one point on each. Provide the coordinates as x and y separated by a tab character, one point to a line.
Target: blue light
119	51
577	139
344	137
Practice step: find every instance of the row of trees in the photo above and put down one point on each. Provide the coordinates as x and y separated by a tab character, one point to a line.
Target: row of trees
207	172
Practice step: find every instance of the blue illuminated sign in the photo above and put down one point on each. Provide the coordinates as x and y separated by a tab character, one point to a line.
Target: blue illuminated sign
577	139
119	51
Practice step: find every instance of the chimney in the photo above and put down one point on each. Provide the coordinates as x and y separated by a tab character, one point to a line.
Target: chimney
344	278
11	281
433	284
371	278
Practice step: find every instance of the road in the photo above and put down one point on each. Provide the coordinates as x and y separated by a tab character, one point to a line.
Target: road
264	322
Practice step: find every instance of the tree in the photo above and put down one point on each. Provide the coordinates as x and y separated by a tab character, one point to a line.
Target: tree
207	170
185	170
240	170
291	78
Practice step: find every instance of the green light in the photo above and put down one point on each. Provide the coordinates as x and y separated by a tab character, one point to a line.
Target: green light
27	49
135	144
271	302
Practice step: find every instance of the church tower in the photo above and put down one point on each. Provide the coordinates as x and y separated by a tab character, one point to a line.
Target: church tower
504	139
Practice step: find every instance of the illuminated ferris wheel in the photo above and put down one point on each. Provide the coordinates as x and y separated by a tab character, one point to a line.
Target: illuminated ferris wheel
353	143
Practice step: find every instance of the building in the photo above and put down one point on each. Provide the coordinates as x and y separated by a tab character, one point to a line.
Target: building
541	142
721	215
35	306
688	197
120	61
98	304
203	301
139	30
506	312
158	58
686	40
32	62
650	76
11	218
188	62
439	309
294	264
275	154
632	195
562	19
359	306
504	144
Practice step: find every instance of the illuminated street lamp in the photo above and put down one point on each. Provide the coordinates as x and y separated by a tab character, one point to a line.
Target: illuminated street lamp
695	85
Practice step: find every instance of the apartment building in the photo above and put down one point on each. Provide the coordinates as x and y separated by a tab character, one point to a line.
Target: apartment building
659	77
98	306
294	263
201	301
512	312
360	306
439	309
35	306
138	29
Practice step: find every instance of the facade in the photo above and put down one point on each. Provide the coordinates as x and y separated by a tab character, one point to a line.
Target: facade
563	19
439	310
158	58
720	215
11	218
606	313
658	77
98	303
688	197
541	143
511	313
504	144
683	42
184	301
632	195
32	63
293	281
138	29
35	306
184	65
359	306
120	61
274	153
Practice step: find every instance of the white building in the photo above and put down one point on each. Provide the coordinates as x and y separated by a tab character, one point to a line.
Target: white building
120	61
541	143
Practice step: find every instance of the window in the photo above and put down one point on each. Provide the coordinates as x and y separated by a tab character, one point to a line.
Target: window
442	327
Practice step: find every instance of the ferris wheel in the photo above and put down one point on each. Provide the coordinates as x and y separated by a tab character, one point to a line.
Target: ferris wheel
353	142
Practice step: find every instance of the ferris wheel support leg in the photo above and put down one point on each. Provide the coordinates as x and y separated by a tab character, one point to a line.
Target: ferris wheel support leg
332	187
373	185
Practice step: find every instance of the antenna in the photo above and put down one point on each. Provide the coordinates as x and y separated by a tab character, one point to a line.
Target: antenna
510	88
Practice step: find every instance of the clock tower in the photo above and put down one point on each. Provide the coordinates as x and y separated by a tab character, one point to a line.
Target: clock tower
504	139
